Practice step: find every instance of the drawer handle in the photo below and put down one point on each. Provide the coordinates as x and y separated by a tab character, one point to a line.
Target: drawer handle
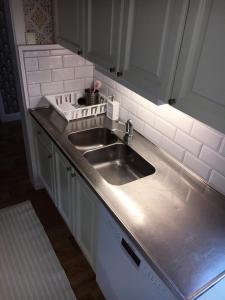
130	251
68	169
39	132
49	156
73	174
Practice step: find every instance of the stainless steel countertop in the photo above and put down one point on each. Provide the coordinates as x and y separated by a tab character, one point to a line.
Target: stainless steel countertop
176	220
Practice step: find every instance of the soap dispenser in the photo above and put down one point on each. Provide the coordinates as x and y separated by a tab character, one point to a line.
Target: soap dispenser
113	108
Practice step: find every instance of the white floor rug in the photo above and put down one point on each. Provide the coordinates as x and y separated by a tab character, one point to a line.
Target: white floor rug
29	268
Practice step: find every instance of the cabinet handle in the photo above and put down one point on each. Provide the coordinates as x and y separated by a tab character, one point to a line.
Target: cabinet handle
172	101
130	251
73	174
112	70
119	74
39	132
68	169
49	156
79	52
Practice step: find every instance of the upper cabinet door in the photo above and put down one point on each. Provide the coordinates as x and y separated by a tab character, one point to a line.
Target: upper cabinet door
69	23
103	32
152	34
199	87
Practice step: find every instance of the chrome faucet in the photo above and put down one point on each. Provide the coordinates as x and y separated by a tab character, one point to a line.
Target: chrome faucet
129	131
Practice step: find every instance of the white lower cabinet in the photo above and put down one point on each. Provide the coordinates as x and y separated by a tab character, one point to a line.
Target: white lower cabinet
72	196
65	187
87	205
77	204
44	158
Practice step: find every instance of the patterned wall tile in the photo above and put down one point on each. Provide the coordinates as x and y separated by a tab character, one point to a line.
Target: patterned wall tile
7	76
39	19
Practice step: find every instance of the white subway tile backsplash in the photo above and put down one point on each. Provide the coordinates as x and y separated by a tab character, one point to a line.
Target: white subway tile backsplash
88	63
188	142
31	64
162	110
73	61
38	102
111	83
180	120
206	135
50	62
146	115
213	159
84	71
123	114
98	75
34	90
165	127
36	53
172	148
196	165
222	148
62	74
63	51
129	105
74	85
52	88
122	89
88	82
217	181
104	89
139	125
38	76
153	135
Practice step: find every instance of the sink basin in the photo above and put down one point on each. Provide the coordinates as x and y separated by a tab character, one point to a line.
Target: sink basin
92	138
119	164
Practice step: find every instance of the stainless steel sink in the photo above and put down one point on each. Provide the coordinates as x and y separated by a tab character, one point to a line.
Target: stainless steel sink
92	138
119	164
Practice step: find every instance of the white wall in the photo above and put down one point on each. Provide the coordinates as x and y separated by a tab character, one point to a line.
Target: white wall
17	15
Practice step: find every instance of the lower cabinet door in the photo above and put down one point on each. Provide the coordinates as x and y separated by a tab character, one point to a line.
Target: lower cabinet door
64	175
45	159
86	221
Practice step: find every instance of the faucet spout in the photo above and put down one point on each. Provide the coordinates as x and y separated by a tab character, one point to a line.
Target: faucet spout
129	127
129	131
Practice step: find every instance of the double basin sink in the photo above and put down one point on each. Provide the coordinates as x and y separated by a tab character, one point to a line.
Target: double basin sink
115	161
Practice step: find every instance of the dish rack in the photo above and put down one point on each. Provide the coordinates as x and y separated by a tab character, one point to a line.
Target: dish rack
66	105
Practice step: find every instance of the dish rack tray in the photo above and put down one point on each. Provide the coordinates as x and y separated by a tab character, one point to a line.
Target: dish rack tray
66	105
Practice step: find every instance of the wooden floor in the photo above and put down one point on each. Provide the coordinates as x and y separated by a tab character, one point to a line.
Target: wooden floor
15	187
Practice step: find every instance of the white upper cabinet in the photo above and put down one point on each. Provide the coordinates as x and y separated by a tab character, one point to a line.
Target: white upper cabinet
199	87
69	24
151	38
103	32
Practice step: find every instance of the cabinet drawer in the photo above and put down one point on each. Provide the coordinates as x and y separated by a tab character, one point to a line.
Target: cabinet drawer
40	133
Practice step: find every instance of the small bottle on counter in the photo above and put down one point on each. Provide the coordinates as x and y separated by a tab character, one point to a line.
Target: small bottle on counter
112	108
